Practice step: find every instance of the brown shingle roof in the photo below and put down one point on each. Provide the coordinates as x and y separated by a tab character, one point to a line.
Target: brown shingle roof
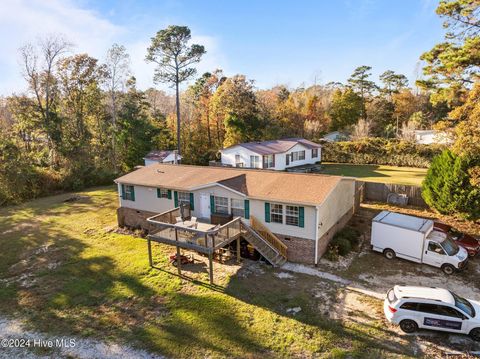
270	185
277	146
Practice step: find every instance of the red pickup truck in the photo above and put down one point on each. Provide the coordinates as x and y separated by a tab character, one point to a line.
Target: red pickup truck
470	243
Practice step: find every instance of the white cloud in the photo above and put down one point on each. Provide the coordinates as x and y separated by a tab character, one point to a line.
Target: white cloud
23	21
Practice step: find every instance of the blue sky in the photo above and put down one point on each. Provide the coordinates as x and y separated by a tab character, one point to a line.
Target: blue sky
272	42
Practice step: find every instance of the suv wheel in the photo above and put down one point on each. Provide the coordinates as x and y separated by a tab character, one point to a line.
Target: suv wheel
448	269
475	334
408	326
389	254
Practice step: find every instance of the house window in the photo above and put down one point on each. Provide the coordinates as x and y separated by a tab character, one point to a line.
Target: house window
129	193
276	213
298	156
162	193
255	161
268	161
238	207
315	153
291	216
221	205
238	161
183	198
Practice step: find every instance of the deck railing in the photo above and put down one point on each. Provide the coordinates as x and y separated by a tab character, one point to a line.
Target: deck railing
268	236
170	216
170	232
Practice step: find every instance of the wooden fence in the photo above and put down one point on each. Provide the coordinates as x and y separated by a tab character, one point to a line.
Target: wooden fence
379	192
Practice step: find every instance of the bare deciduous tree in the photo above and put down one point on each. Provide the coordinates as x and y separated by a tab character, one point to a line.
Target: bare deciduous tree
117	70
39	63
361	130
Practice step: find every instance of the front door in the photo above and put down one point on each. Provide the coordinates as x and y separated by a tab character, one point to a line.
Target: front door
204	205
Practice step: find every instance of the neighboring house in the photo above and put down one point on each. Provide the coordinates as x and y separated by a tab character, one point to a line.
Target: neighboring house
336	136
428	137
161	157
303	210
274	155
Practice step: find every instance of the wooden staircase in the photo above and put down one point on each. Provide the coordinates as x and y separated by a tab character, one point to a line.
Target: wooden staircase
264	241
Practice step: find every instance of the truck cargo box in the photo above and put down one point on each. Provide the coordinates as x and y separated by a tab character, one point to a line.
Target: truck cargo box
405	235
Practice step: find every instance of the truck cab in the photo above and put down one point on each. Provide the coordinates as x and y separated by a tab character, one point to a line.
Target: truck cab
442	252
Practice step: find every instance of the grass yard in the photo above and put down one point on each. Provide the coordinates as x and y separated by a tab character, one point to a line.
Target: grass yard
65	270
377	173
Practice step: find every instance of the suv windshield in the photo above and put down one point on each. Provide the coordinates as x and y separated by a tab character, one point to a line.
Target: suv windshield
464	305
450	246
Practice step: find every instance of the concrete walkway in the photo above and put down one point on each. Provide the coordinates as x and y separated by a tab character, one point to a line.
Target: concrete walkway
348	284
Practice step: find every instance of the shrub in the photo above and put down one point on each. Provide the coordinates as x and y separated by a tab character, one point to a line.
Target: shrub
342	243
449	188
381	151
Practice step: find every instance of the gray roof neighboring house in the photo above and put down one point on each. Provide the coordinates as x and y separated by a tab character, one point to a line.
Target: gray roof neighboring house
276	146
159	155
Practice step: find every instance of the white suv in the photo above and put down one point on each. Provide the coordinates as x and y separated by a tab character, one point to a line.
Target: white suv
432	308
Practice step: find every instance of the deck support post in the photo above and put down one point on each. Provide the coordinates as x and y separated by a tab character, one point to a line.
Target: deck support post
149	244
238	249
210	263
179	261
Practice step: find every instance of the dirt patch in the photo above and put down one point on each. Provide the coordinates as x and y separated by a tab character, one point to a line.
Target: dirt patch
81	348
22	227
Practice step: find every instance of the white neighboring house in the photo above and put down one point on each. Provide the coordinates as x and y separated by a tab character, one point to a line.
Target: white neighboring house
274	155
159	156
428	137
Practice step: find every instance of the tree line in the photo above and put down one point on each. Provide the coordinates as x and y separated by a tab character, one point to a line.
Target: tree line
82	121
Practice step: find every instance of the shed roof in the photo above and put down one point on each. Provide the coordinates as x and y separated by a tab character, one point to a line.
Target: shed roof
303	188
159	155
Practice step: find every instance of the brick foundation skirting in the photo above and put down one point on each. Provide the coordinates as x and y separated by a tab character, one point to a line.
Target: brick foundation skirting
134	218
299	250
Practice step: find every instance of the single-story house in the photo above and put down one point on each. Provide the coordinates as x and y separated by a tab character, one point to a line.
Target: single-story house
160	156
303	210
274	155
428	137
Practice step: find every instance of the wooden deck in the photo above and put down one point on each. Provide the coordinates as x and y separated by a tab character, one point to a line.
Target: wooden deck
203	237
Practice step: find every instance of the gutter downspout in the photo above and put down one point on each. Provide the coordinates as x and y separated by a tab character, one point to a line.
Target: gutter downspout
316	236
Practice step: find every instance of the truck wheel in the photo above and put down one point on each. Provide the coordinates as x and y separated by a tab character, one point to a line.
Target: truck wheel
475	334
408	326
389	254
448	269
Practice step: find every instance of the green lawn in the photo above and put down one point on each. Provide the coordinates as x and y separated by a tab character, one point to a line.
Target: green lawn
65	271
377	173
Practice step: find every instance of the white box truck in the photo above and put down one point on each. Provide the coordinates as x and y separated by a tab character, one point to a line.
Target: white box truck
413	238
